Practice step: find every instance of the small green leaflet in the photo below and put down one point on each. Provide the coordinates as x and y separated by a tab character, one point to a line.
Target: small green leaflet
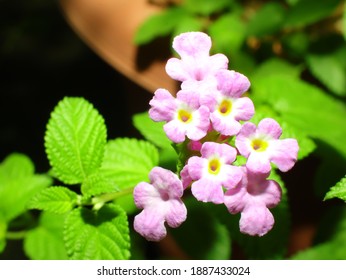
126	163
330	71
306	12
206	7
158	25
18	184
231	41
95	184
97	235
57	200
152	131
267	20
75	140
338	191
45	242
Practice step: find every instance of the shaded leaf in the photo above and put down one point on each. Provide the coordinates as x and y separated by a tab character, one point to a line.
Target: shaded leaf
152	131
206	7
46	242
97	235
231	41
306	12
330	71
218	244
128	162
276	66
16	193
75	140
3	230
267	20
158	25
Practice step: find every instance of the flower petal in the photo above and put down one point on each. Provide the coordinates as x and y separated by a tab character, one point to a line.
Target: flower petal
163	106
256	220
284	153
269	126
207	190
150	224
176	214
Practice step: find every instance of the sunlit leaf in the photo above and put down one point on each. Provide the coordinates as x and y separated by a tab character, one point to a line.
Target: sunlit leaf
75	140
338	191
55	199
45	242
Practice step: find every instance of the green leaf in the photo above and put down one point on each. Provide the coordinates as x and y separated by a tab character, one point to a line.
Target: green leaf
276	66
330	71
128	162
267	20
325	251
95	184
3	230
232	40
46	242
57	200
304	107
205	7
213	244
16	166
306	12
75	140
18	184
159	25
187	24
97	235
152	131
338	191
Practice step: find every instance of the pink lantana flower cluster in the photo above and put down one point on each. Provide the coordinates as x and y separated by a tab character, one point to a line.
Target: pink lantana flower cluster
207	114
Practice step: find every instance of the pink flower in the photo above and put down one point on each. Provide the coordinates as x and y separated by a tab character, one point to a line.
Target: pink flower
212	171
161	202
196	68
226	105
261	146
252	197
183	114
195	63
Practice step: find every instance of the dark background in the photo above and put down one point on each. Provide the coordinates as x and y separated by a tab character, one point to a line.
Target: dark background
42	60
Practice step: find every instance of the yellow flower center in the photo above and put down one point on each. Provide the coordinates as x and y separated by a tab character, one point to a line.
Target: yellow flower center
184	116
259	145
225	107
214	166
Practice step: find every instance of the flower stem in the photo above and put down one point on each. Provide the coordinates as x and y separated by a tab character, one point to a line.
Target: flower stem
15	235
99	201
